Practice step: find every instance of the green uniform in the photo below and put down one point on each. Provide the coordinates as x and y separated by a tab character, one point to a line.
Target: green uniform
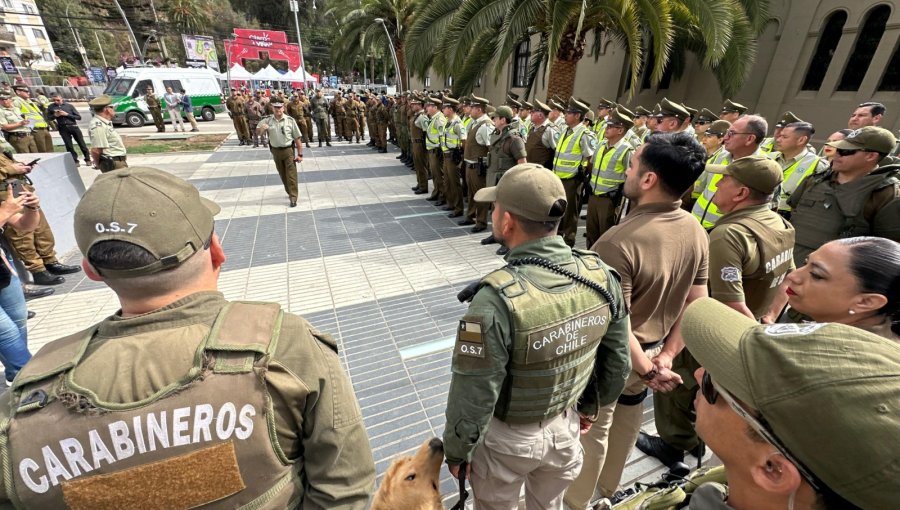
237	108
225	414
20	138
507	148
319	107
475	155
155	107
35	248
524	359
282	136
382	117
417	140
104	137
32	112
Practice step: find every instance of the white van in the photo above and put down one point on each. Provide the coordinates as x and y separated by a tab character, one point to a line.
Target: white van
128	89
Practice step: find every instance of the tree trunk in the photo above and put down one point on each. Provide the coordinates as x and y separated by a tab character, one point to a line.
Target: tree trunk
565	63
401	64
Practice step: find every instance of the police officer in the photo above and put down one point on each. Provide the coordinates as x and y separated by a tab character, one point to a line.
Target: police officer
155	107
507	150
216	411
640	130
284	136
768	144
750	252
255	111
107	149
452	145
573	152
295	109
477	148
797	160
319	106
533	365
434	129
338	114
603	110
731	111
542	137
670	116
607	175
855	197
351	128
702	122
307	114
15	127
32	112
417	119
382	118
237	110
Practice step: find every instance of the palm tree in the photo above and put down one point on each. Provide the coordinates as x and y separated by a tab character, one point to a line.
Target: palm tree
361	34
466	37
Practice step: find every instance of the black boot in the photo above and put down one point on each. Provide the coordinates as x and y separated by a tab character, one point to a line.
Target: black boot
36	293
57	268
488	240
657	448
45	278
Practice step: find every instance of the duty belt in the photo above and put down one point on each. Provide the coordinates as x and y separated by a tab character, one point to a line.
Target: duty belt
471	165
285	147
18	134
117	158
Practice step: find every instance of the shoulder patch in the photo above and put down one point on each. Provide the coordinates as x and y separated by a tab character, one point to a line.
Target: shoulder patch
731	274
470	337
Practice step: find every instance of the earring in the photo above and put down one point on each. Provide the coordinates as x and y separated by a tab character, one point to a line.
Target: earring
852	312
770	468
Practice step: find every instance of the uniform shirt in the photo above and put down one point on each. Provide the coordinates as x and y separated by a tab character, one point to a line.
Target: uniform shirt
483	135
471	399
551	135
12	116
660	251
153	101
316	417
103	136
733	253
282	133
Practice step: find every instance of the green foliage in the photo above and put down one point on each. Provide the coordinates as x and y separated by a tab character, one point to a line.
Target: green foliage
66	69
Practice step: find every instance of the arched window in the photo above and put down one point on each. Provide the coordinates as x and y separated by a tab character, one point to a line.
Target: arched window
866	43
520	64
829	38
890	82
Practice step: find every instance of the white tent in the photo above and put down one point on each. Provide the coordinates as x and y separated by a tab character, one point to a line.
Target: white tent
268	73
299	73
238	73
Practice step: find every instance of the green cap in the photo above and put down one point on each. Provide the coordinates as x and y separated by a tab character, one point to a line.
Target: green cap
528	190
449	102
436	101
830	393
577	106
5	97
558	99
731	106
556	105
718	128
478	101
869	138
589	116
756	172
671	109
706	115
605	103
505	112
640	111
787	118
618	117
541	107
149	208
512	100
692	112
527	106
99	101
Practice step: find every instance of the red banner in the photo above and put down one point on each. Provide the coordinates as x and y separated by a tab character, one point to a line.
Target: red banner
251	44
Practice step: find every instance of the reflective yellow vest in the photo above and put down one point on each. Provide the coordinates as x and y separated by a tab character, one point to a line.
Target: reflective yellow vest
466	122
704	209
610	163
435	131
451	137
600	128
568	153
31	112
794	175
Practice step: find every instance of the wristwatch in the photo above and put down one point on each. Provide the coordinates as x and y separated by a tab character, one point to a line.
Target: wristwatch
649	376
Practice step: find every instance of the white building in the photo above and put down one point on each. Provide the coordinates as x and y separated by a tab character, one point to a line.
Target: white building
22	28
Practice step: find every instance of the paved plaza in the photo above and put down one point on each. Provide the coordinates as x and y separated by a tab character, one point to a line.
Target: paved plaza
361	257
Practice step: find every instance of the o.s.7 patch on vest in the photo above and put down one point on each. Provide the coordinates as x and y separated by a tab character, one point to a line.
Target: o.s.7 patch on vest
470	339
567	336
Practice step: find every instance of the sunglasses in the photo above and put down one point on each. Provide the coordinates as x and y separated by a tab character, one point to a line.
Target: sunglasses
847	152
712	391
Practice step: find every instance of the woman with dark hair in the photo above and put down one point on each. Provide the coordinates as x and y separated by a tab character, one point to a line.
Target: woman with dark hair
829	151
853	281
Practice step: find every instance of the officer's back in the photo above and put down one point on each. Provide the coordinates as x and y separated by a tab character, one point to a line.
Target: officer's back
181	399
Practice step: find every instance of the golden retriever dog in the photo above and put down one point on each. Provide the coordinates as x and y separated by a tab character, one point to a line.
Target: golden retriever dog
413	483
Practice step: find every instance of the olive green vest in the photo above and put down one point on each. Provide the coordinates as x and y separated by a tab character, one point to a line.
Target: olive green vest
473	151
776	251
554	343
205	440
824	211
536	151
501	158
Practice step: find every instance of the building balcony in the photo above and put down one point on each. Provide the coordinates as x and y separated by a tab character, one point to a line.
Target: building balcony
7	36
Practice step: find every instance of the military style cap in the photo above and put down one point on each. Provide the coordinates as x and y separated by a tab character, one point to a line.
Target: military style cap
450	102
277	104
590	115
706	115
787	118
756	172
541	107
505	112
528	190
869	138
21	87
718	128
640	111
606	103
4	97
577	106
98	101
528	106
624	111
490	109
512	102
731	106
582	101
512	95
845	380
478	101
149	208
415	99
556	105
671	109
557	99
435	101
692	112
619	117
656	110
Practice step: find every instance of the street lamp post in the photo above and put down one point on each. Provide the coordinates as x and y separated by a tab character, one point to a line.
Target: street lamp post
81	51
295	7
135	47
393	54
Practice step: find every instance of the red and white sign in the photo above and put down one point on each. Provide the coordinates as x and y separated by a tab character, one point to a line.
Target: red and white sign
249	44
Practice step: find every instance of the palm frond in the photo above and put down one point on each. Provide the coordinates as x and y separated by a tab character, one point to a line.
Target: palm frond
426	33
734	68
711	21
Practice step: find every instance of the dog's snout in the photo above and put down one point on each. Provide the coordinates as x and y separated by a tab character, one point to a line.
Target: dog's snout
436	445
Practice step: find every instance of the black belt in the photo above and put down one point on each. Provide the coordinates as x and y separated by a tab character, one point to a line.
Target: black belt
117	158
282	148
471	165
649	346
20	134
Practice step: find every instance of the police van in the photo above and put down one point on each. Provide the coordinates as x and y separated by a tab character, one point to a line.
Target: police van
128	88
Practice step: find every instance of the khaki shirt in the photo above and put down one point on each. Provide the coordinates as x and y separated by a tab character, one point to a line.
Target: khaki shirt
660	251
316	418
103	136
12	116
282	133
733	253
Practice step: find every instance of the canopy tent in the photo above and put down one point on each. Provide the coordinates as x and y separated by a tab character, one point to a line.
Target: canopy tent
238	73
268	73
300	73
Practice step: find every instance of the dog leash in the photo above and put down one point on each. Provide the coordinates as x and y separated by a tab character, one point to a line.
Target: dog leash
463	493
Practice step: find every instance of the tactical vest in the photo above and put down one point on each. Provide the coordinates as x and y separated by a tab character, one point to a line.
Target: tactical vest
794	175
415	132
825	211
704	209
31	112
467	121
473	151
767	145
568	153
555	340
207	439
535	150
599	128
435	131
501	158
451	136
776	251
608	172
